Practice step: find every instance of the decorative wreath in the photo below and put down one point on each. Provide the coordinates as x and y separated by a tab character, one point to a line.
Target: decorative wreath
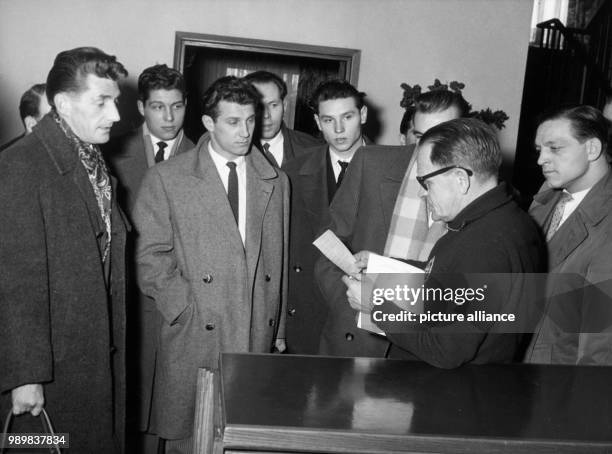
497	118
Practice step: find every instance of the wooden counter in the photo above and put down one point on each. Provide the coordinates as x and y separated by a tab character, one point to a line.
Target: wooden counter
283	403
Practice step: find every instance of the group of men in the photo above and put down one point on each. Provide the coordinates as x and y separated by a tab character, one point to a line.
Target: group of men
219	236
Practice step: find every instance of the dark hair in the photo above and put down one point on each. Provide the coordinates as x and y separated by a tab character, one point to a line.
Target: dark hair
71	67
29	105
466	142
266	77
335	89
586	122
405	123
229	89
441	100
160	77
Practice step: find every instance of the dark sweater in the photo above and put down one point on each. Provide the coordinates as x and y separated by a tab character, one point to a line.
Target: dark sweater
491	235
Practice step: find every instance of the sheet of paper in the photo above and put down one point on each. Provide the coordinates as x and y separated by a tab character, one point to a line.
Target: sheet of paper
378	264
335	250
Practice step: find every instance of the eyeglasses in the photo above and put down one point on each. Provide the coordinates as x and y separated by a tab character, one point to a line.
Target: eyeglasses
422	179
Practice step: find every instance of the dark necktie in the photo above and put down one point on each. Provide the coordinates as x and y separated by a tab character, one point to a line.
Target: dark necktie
159	156
232	189
343	166
555	221
269	155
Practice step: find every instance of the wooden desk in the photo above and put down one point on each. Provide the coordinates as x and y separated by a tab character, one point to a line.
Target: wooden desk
282	403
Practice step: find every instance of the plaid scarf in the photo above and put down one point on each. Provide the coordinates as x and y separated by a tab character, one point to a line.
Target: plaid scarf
410	236
91	158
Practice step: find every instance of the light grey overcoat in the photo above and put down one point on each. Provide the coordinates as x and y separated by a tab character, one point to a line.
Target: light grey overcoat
214	294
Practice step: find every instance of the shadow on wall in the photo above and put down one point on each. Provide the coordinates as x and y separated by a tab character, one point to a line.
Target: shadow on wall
128	110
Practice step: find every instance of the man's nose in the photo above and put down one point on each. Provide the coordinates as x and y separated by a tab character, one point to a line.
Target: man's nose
266	112
338	127
168	114
112	112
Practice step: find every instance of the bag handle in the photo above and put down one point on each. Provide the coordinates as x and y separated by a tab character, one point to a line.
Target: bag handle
47	428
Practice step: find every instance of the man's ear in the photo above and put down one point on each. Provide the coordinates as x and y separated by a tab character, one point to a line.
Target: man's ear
464	181
363	113
29	122
208	122
63	104
594	148
140	105
318	122
402	139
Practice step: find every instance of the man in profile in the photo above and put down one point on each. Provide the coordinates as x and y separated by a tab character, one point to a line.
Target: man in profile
62	284
277	142
458	168
33	106
211	254
379	208
574	209
340	113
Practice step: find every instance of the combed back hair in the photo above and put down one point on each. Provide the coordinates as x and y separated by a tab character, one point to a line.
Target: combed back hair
465	142
441	100
266	77
586	122
160	77
229	89
71	67
335	89
29	104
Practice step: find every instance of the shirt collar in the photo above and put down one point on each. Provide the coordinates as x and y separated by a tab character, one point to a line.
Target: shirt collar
220	161
277	139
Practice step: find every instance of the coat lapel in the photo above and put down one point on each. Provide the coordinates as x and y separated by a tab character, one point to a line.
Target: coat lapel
259	192
212	197
313	180
391	184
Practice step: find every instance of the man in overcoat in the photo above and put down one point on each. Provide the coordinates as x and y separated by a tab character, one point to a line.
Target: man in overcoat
62	283
211	254
574	208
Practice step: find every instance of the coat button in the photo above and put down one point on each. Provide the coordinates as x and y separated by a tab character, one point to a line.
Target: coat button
297	268
349	336
271	322
210	327
291	312
268	278
113	349
207	278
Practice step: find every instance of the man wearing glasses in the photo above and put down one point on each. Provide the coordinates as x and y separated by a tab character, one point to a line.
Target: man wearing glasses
457	166
379	208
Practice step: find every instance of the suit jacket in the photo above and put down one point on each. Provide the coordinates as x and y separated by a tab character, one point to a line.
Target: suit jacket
576	328
128	162
62	322
213	295
295	143
306	311
360	215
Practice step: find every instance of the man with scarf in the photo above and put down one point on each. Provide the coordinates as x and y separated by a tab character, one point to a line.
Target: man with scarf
62	285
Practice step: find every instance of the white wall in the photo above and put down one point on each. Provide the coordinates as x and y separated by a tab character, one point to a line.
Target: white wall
482	43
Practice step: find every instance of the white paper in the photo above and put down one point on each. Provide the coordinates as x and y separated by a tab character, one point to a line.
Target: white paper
335	250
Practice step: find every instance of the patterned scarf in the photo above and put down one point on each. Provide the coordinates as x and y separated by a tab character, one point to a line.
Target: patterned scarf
91	158
410	236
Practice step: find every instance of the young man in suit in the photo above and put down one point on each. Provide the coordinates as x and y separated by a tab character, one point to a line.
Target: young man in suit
574	209
273	138
340	112
379	208
62	284
161	101
212	254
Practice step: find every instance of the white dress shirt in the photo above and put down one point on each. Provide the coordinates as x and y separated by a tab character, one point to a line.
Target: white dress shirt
223	170
571	205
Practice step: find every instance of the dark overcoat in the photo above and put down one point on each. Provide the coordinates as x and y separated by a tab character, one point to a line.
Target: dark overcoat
61	322
360	215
